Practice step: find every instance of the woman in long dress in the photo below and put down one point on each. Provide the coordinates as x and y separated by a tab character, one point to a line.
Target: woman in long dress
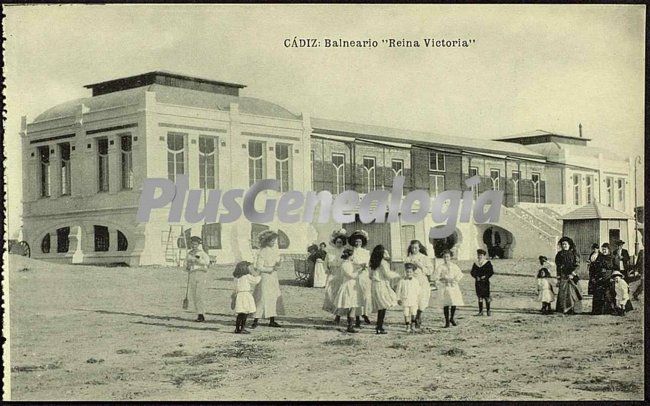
333	262
360	260
600	271
568	295
383	295
417	255
320	277
268	298
349	297
450	294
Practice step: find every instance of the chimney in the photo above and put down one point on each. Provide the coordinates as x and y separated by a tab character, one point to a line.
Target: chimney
580	129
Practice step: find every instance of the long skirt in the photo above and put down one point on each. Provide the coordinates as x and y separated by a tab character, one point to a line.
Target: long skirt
268	298
602	302
383	296
332	287
568	297
365	285
425	290
320	277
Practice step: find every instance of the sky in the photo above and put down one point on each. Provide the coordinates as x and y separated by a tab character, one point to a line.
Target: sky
530	67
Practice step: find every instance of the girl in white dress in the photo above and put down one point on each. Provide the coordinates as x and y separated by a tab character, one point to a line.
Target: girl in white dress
545	290
349	296
383	296
408	295
449	276
360	259
246	277
417	255
268	298
334	279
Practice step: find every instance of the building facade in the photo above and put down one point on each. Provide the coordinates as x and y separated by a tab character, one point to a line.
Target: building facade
84	163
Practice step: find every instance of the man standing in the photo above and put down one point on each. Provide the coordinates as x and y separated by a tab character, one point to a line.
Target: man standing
196	263
622	259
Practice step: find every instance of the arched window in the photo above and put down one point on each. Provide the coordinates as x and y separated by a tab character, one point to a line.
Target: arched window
45	244
256	229
283	240
122	243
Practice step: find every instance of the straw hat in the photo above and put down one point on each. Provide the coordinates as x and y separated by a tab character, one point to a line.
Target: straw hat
265	236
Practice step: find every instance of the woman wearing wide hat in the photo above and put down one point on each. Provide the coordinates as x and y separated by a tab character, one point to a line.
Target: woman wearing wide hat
333	262
360	260
567	262
268	298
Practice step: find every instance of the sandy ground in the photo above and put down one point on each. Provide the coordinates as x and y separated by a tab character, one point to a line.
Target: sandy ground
81	332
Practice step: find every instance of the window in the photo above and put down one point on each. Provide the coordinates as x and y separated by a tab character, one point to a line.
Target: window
255	161
473	171
211	236
398	167
63	239
494	177
122	243
45	244
44	158
102	241
537	191
369	179
338	160
126	146
436	161
620	189
576	189
313	169
175	155
609	193
102	159
207	162
282	173
436	184
516	175
589	182
64	150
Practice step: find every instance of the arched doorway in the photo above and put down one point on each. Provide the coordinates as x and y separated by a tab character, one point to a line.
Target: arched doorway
451	243
498	242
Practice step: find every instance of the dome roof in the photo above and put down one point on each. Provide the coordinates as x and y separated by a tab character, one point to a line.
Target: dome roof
169	95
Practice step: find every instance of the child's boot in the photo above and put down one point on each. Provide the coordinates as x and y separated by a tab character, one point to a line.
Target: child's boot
418	319
337	319
366	319
451	318
480	308
357	321
446	311
254	325
350	328
487	306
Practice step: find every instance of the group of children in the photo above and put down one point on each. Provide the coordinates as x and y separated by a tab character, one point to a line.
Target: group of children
359	283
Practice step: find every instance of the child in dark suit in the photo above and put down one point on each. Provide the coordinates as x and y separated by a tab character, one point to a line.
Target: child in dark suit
482	271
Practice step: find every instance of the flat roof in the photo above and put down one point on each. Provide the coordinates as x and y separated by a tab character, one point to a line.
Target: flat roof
166	74
540	133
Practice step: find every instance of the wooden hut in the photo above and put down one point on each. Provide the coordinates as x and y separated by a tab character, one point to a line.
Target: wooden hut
597	223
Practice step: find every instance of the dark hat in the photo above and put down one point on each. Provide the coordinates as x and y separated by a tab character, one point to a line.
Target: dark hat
358	235
620	242
409	265
605	245
594	245
481	251
543	258
616	273
196	239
